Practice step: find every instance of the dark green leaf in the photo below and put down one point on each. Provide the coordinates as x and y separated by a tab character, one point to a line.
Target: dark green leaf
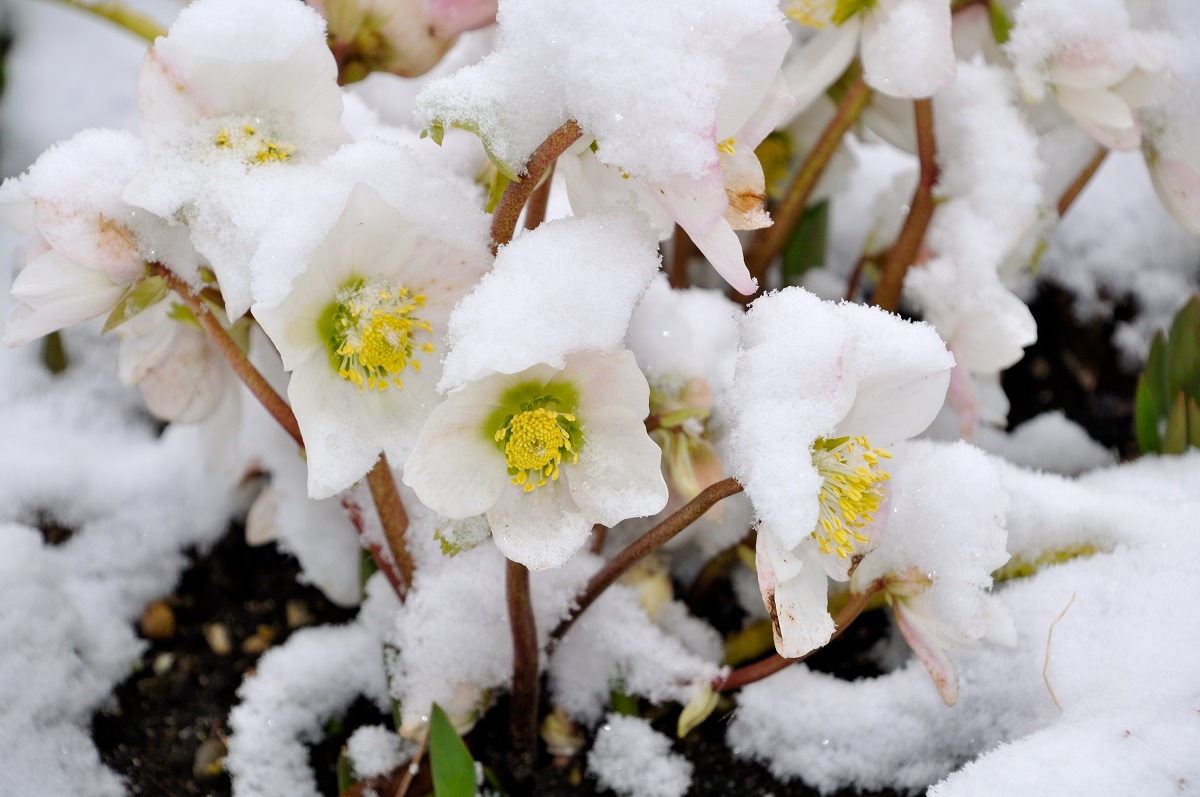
345	771
1175	438
1156	375
1183	350
622	702
449	759
806	245
1145	419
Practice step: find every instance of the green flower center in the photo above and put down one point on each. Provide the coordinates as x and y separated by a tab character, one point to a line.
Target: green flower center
369	331
537	435
851	490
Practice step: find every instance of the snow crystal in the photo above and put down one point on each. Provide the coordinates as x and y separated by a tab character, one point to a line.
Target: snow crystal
650	108
568	286
634	760
1050	442
376	750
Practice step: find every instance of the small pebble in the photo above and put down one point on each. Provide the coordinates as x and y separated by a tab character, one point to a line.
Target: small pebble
158	621
217	635
261	640
163	663
298	614
209	760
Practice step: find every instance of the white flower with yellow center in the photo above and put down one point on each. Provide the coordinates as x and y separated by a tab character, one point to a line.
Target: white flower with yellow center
546	453
821	392
360	332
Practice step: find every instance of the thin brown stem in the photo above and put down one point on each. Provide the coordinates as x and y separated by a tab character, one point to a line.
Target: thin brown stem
136	23
524	708
681	255
908	243
539	200
504	220
770	241
392	517
1076	187
646	544
232	353
774	663
414	766
386	564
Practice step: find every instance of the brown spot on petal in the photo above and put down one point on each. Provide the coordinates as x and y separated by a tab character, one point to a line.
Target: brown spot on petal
769	600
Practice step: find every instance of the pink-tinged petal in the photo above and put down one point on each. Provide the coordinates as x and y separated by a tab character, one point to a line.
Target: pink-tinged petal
746	190
1104	115
698	206
752	66
541	528
776	106
961	396
907	48
1146	89
188	382
56	293
455	468
1090	64
451	17
144	340
796	594
618	475
1178	188
819	62
607	380
594	186
922	636
992	341
720	244
338	444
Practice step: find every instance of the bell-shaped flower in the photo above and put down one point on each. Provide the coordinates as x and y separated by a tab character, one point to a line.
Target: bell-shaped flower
233	100
1177	184
88	245
396	36
546	453
355	332
905	46
945	537
811	427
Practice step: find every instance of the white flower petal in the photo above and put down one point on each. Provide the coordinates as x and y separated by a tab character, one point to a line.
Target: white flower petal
821	61
619	472
746	190
907	47
776	106
720	244
1178	188
593	186
752	65
605	380
1104	115
454	468
57	293
541	528
188	382
925	636
798	606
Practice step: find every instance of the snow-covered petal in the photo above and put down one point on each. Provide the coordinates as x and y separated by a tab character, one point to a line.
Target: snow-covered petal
798	606
541	529
752	66
620	456
57	292
907	48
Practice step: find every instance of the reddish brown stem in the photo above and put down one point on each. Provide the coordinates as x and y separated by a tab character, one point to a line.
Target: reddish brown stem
1076	187
392	517
524	708
504	220
232	353
904	251
770	241
681	255
539	200
385	563
647	544
764	668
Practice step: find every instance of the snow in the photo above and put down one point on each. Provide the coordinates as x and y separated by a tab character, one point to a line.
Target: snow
634	760
376	750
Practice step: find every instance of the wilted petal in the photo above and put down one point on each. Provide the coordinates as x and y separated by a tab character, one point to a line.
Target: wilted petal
746	190
928	638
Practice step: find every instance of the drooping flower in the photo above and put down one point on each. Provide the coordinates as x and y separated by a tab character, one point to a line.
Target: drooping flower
812	425
233	100
357	332
905	46
546	453
397	36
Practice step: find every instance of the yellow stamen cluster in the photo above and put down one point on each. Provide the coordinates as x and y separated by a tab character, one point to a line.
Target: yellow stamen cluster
850	491
536	442
726	146
373	330
813	13
257	150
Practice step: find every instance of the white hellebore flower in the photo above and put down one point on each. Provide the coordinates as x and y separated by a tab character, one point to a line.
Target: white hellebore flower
730	193
820	391
905	45
546	453
354	330
235	97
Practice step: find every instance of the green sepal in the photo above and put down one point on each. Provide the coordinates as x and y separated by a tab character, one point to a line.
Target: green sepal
449	759
1176	437
141	294
1183	350
240	332
455	536
670	420
496	185
806	246
848	8
436	132
345	771
1145	419
182	314
1001	25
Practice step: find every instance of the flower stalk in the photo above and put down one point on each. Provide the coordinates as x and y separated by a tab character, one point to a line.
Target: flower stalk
138	24
504	219
1080	182
908	243
645	545
539	200
523	712
392	517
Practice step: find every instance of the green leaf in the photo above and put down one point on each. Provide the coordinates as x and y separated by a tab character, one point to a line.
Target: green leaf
54	356
1001	25
449	759
806	245
1193	419
140	295
345	771
496	186
1145	419
436	132
622	702
1156	375
1175	438
1183	350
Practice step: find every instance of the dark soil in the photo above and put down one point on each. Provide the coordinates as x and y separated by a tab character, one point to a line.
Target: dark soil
181	696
